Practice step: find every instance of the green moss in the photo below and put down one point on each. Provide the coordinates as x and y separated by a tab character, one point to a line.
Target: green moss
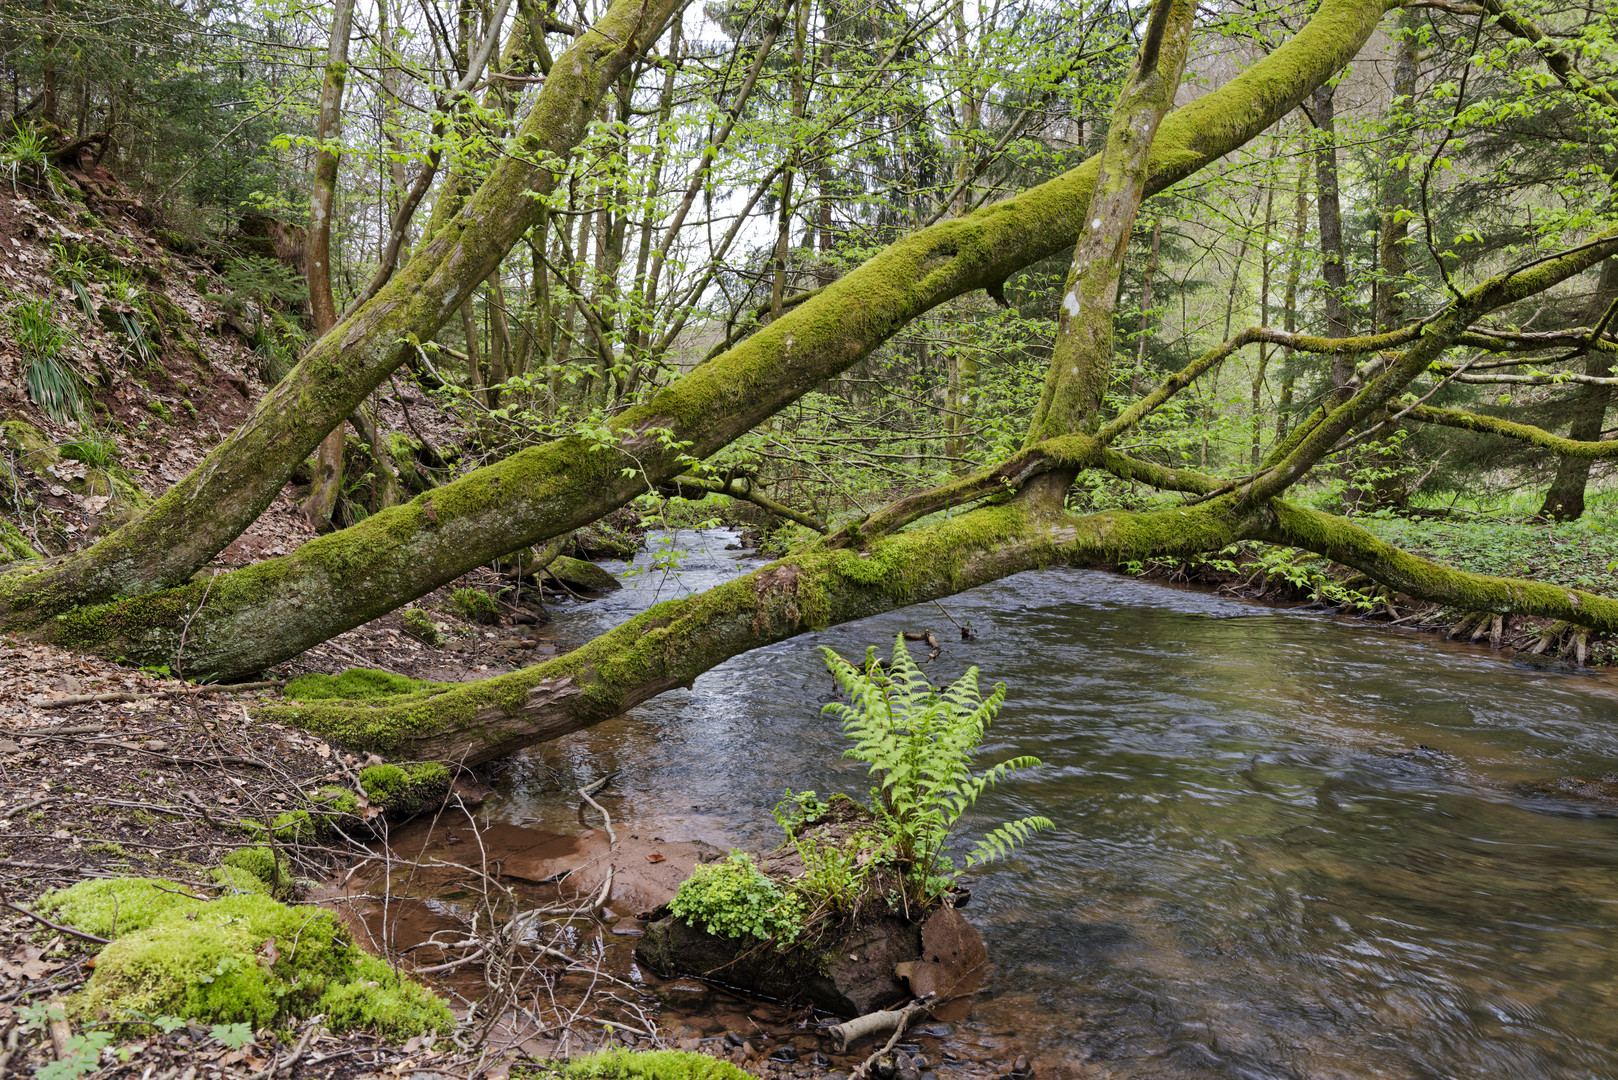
419	624
355	684
404	790
621	1064
376	998
264	863
242	958
13	544
336	799
30	444
235	879
108	907
475	606
160	410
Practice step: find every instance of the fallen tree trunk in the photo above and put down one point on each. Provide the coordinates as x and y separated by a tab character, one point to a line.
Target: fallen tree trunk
266	613
674	642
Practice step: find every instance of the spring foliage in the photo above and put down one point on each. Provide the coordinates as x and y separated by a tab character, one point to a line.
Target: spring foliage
918	744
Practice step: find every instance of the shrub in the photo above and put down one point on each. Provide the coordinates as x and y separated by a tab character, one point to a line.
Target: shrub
418	624
736	899
919	743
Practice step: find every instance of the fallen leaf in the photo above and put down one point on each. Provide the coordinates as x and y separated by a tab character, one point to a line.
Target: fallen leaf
655	857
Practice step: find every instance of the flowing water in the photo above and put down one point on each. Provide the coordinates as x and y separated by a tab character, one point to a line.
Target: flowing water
1286	845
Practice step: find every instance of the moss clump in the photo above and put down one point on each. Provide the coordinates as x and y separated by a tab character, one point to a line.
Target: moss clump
13	544
476	606
621	1064
418	624
265	864
404	790
242	958
108	907
355	684
376	998
336	799
30	443
235	879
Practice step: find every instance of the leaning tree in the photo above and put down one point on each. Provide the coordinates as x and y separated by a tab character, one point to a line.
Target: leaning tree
137	592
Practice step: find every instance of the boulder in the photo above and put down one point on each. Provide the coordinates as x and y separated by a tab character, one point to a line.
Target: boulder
581	576
604	542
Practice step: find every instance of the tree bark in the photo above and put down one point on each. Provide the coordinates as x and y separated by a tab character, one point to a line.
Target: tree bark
1333	269
1564	501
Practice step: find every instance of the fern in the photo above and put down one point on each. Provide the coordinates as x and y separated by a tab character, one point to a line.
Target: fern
918	744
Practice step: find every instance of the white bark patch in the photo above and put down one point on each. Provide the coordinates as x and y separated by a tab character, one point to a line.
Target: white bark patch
1071	303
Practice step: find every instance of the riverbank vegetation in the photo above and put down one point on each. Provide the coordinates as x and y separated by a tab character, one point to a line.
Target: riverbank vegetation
365	326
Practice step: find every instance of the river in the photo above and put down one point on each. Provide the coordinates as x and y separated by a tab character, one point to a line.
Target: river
1286	845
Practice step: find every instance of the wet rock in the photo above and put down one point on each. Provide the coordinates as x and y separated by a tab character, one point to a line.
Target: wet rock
850	975
784	1053
1021	1068
921	1062
933	1031
1598	797
734	1039
819	1060
904	1068
604	542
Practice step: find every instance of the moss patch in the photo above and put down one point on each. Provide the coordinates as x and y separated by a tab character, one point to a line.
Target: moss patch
13	544
242	958
404	790
356	684
647	1065
265	864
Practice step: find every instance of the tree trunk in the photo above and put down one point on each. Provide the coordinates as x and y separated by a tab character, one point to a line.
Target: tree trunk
1565	499
327	484
1333	270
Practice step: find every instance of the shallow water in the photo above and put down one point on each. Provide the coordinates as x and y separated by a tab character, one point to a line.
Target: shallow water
1286	845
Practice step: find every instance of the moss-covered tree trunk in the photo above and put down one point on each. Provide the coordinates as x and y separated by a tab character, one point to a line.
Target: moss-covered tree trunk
266	613
1564	501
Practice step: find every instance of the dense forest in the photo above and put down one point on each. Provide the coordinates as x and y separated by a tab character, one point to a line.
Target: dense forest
319	321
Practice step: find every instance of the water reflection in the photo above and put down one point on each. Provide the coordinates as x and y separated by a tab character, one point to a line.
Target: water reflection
1286	846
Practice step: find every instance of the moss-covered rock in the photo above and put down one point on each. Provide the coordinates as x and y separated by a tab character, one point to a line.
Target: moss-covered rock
418	624
356	684
604	542
242	958
405	790
475	606
581	575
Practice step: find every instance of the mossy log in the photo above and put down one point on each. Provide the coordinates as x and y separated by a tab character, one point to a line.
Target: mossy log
407	551
676	641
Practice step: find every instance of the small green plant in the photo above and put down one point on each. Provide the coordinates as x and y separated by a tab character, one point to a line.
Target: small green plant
476	606
94	450
736	899
918	744
25	159
82	1053
418	624
234	1036
52	383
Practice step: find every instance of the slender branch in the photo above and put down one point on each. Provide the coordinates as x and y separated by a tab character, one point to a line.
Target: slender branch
1467	421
